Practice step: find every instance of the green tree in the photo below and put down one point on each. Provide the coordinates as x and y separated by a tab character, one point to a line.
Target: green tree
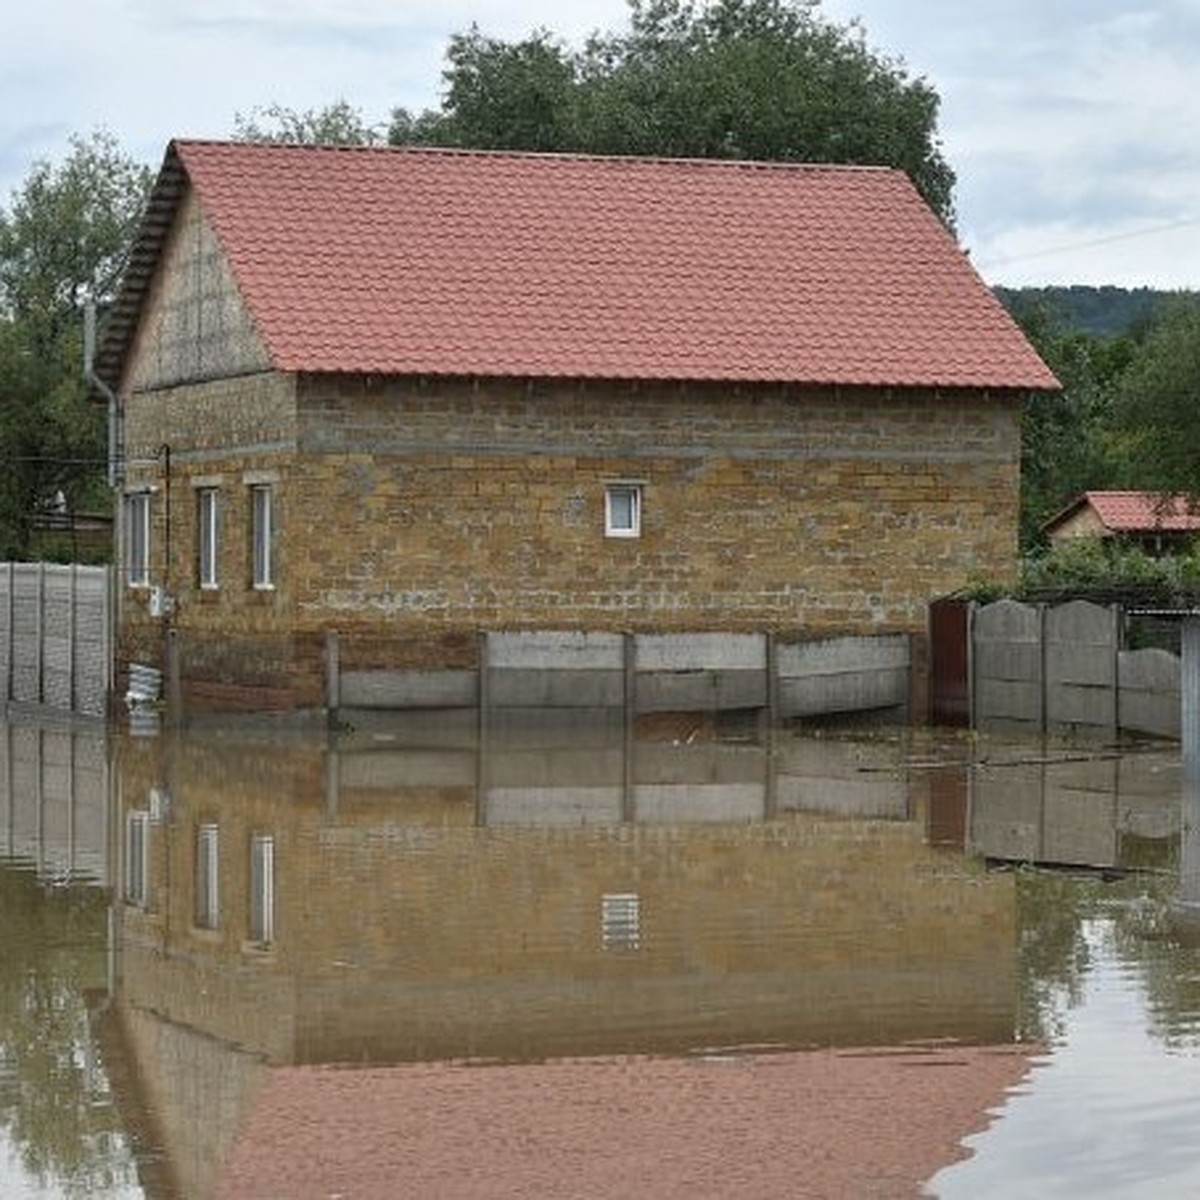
759	79
336	124
1068	440
64	236
1157	402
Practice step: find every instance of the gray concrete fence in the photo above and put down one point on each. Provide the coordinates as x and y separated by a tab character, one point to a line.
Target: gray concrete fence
1066	667
56	636
562	672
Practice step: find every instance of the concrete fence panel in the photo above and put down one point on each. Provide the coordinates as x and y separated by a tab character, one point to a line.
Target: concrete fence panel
705	672
1149	692
56	636
846	674
553	670
1007	663
1082	641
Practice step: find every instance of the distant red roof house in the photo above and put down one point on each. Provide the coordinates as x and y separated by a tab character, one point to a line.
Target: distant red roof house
1148	517
413	394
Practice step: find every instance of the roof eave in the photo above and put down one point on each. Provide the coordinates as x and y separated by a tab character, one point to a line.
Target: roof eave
120	319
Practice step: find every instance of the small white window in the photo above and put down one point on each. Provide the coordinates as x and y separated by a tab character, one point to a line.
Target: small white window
206	536
623	510
208	901
262	889
262	531
137	539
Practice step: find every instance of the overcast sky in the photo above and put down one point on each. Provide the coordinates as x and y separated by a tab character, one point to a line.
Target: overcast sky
1071	123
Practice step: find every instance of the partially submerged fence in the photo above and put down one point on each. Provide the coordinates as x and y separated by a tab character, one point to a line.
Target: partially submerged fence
1067	666
56	636
645	673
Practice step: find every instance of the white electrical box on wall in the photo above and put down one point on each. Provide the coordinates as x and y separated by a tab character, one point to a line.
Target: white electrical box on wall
161	603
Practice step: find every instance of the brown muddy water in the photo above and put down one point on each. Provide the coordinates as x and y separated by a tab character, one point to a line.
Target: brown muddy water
184	918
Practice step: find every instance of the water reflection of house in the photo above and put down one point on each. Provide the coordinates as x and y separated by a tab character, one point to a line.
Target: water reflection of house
297	906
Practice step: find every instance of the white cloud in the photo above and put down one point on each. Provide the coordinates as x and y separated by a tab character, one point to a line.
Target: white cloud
1070	124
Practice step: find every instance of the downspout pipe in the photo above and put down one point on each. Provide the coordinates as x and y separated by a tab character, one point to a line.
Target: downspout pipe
93	380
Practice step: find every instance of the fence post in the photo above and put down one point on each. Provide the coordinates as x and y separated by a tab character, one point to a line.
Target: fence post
628	725
483	701
1115	610
39	635
11	648
1043	682
72	584
174	680
333	673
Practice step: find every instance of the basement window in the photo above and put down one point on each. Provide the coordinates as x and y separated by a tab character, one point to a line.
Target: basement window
623	510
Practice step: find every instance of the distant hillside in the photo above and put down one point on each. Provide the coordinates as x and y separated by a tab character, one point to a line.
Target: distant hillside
1101	310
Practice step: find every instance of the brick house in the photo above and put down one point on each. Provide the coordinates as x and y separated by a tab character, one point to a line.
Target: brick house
409	395
1158	524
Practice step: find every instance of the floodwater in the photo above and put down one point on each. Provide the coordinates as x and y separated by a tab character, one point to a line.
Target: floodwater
181	914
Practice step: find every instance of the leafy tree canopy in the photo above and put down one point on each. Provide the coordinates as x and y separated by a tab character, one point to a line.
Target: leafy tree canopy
64	234
759	79
336	124
1156	403
1068	443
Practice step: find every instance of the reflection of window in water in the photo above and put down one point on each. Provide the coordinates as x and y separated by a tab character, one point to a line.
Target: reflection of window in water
620	921
207	865
262	889
137	858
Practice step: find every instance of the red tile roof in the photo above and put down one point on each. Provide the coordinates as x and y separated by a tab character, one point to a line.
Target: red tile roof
387	260
1134	512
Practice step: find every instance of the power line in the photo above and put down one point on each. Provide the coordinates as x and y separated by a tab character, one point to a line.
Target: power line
1069	247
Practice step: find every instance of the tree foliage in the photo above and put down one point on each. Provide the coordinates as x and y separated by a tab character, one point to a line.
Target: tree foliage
1157	401
336	124
63	236
758	79
1068	441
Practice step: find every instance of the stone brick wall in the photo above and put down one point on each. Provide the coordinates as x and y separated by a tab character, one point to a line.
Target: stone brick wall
411	513
454	505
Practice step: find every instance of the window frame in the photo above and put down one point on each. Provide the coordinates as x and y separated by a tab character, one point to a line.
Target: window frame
136	882
206	909
208	537
261	915
623	488
262	536
137	537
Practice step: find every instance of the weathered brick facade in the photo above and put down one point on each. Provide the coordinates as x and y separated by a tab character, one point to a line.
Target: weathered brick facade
410	512
407	509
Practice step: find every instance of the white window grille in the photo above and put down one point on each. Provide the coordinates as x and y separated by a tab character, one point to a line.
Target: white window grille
620	921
